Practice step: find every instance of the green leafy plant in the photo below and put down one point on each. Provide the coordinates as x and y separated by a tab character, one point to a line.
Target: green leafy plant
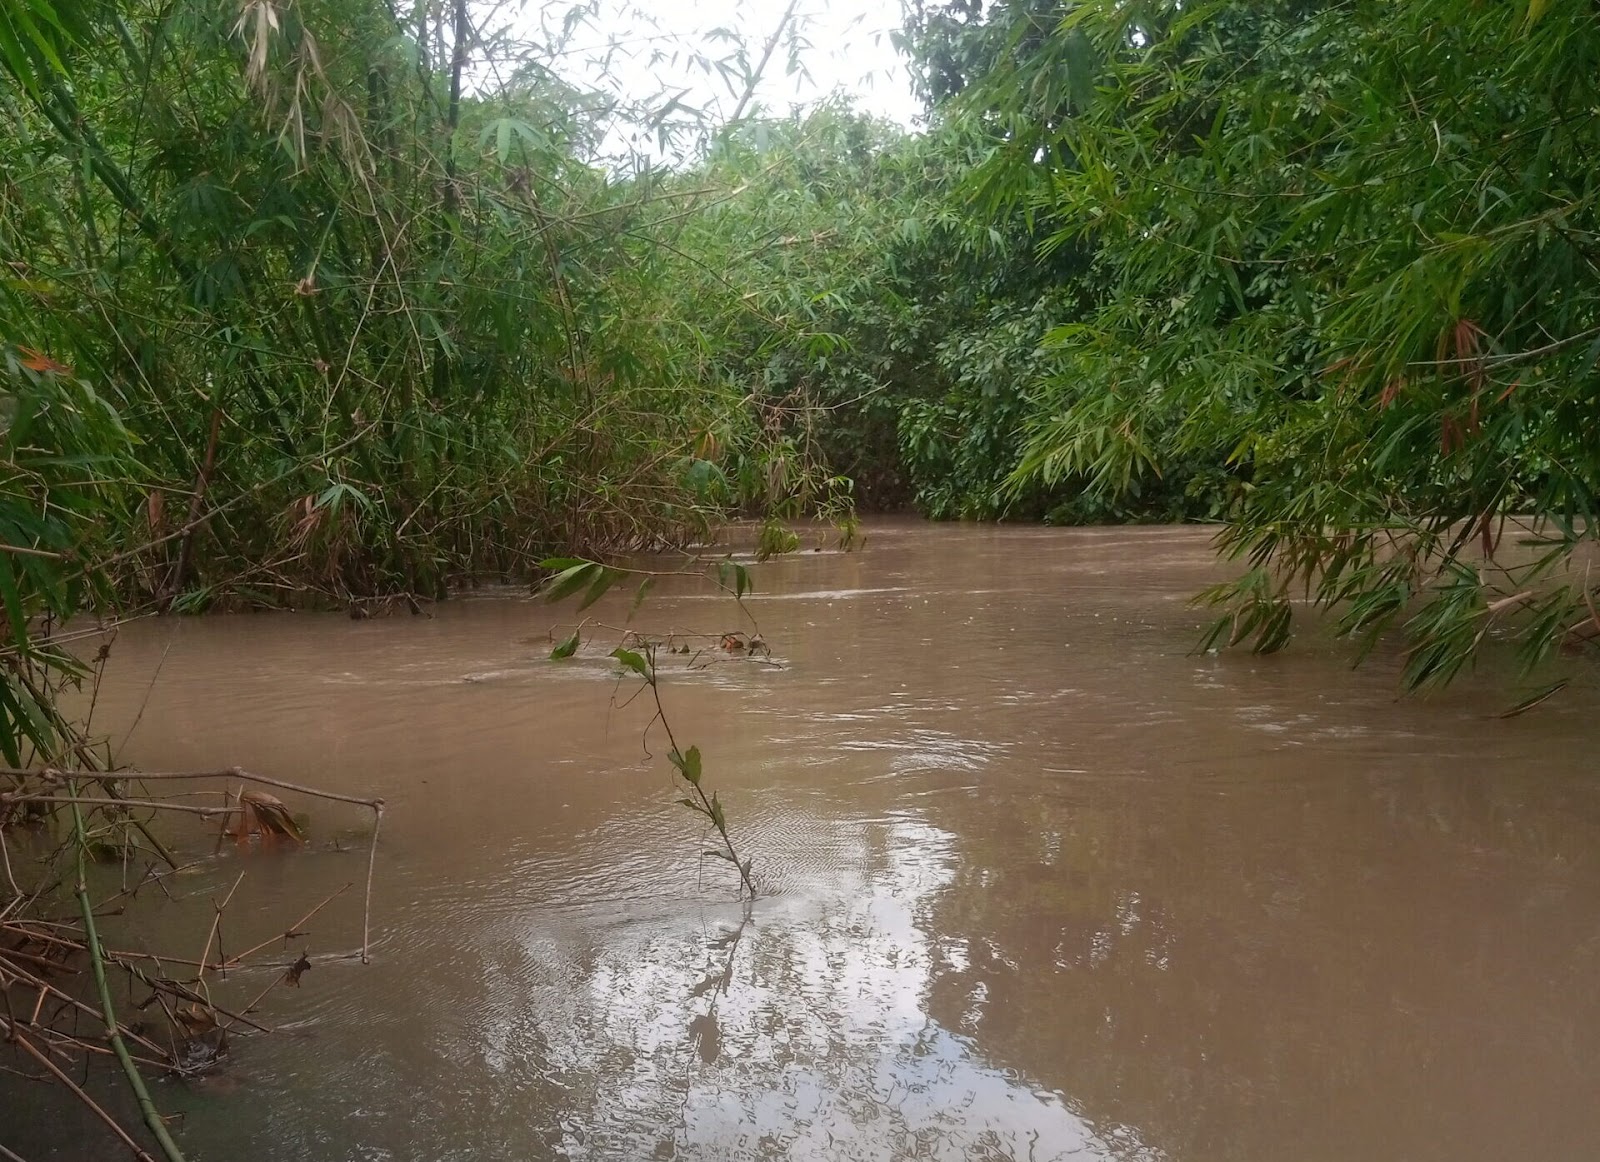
572	575
1321	249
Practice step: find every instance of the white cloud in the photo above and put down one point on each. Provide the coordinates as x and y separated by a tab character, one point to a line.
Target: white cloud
696	52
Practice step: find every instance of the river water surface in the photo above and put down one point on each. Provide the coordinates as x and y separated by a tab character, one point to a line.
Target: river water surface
1037	882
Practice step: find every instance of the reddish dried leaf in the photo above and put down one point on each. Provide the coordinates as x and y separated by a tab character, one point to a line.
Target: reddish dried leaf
1468	354
195	1019
1449	435
38	361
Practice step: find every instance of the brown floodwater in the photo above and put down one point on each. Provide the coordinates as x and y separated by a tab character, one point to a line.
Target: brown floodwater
1038	882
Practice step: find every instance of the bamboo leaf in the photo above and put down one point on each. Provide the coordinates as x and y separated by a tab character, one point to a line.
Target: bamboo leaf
13	603
603	581
567	583
639	595
1538	698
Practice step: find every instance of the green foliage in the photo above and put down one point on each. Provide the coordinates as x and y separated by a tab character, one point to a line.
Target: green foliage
774	539
359	321
1339	287
64	455
632	660
396	334
902	329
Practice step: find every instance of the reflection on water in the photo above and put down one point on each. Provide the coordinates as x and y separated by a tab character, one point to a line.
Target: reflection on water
807	1024
1040	884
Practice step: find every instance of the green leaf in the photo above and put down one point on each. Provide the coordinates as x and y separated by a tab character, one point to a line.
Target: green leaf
569	582
734	576
1536	698
566	649
638	598
688	764
562	562
633	661
603	581
10	726
13	603
34	721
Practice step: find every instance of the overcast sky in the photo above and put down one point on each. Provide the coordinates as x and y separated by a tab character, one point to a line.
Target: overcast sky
644	51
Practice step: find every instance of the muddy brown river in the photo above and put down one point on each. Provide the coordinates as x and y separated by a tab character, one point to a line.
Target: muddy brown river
1037	882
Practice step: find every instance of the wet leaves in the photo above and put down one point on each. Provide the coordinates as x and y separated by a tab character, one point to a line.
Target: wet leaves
632	660
688	764
268	816
195	1019
263	816
749	645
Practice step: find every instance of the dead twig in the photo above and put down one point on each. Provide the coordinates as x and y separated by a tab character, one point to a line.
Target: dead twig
32	1050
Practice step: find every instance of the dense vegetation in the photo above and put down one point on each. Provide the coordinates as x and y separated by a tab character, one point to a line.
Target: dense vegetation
1343	253
1326	271
291	309
326	300
353	302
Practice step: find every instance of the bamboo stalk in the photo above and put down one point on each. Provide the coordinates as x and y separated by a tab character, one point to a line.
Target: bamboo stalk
228	773
288	933
78	800
152	1116
372	859
54	1038
202	481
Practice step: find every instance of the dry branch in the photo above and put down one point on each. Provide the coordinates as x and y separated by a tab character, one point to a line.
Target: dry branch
35	947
